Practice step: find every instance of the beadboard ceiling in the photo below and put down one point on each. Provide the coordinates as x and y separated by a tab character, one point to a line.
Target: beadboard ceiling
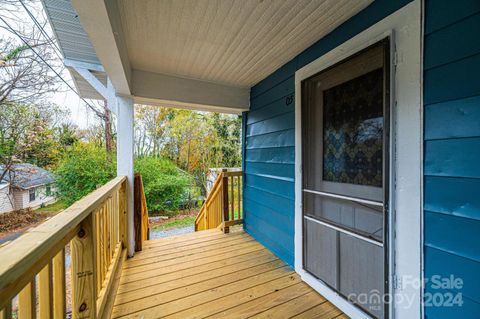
232	42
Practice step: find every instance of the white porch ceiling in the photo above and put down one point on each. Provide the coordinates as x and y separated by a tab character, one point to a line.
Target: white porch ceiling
231	42
200	54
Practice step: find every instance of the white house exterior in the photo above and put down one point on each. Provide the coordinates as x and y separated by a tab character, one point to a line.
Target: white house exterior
6	198
42	197
26	186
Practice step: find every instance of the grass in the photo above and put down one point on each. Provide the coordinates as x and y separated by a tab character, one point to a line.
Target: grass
187	221
52	208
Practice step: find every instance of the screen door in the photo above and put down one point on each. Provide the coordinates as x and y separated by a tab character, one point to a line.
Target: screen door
345	135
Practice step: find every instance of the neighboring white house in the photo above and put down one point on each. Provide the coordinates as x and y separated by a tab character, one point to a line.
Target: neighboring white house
26	186
6	198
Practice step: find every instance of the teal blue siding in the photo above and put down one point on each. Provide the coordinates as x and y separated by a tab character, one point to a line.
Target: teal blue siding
451	147
269	141
452	150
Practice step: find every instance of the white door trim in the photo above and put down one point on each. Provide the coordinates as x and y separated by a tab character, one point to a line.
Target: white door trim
404	27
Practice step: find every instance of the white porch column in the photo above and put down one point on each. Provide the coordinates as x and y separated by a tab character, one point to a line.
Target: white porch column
125	160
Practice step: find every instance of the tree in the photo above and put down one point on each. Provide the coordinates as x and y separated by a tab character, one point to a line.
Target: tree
194	141
67	135
24	76
166	186
228	146
30	61
150	128
82	169
28	133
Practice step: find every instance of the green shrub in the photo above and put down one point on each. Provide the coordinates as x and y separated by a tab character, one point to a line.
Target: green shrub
82	169
165	185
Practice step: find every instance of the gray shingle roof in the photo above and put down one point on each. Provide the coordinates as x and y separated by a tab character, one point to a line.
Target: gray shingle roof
27	175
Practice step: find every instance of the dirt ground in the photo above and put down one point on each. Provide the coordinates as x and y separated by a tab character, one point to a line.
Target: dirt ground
19	221
158	220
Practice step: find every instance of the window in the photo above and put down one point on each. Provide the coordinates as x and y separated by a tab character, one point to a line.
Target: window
31	194
353	131
48	191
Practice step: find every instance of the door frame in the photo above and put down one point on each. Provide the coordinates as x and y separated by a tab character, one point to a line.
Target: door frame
405	242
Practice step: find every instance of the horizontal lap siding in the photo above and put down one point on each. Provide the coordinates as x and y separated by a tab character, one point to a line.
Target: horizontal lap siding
452	150
269	165
269	141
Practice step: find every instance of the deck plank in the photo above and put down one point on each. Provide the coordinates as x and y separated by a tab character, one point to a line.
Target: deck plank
151	270
219	275
215	275
188	242
175	301
260	304
188	286
176	258
209	244
201	292
213	301
193	271
323	311
293	307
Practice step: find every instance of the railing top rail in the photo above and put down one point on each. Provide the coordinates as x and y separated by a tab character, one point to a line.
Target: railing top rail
23	258
234	173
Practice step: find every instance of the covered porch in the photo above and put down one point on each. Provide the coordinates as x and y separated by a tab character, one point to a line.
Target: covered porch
251	58
75	265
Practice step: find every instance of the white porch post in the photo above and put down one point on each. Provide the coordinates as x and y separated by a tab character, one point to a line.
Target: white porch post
125	160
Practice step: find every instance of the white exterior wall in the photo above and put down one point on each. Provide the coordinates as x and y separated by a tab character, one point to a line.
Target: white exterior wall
6	200
22	197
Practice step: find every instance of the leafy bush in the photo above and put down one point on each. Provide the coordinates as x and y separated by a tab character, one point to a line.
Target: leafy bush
85	167
164	183
82	169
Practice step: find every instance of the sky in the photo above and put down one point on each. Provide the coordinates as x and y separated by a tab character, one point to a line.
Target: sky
68	99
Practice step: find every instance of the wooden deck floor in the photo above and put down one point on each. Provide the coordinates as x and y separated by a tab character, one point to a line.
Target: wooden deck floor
210	274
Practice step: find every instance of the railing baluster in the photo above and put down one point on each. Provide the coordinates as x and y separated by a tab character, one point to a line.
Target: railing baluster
84	294
206	216
100	248
45	298
104	246
98	280
123	214
110	228
239	191
226	214
6	313
232	201
26	302
59	288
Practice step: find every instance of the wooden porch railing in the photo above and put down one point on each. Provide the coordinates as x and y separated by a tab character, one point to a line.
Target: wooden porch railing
140	216
224	206
95	228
